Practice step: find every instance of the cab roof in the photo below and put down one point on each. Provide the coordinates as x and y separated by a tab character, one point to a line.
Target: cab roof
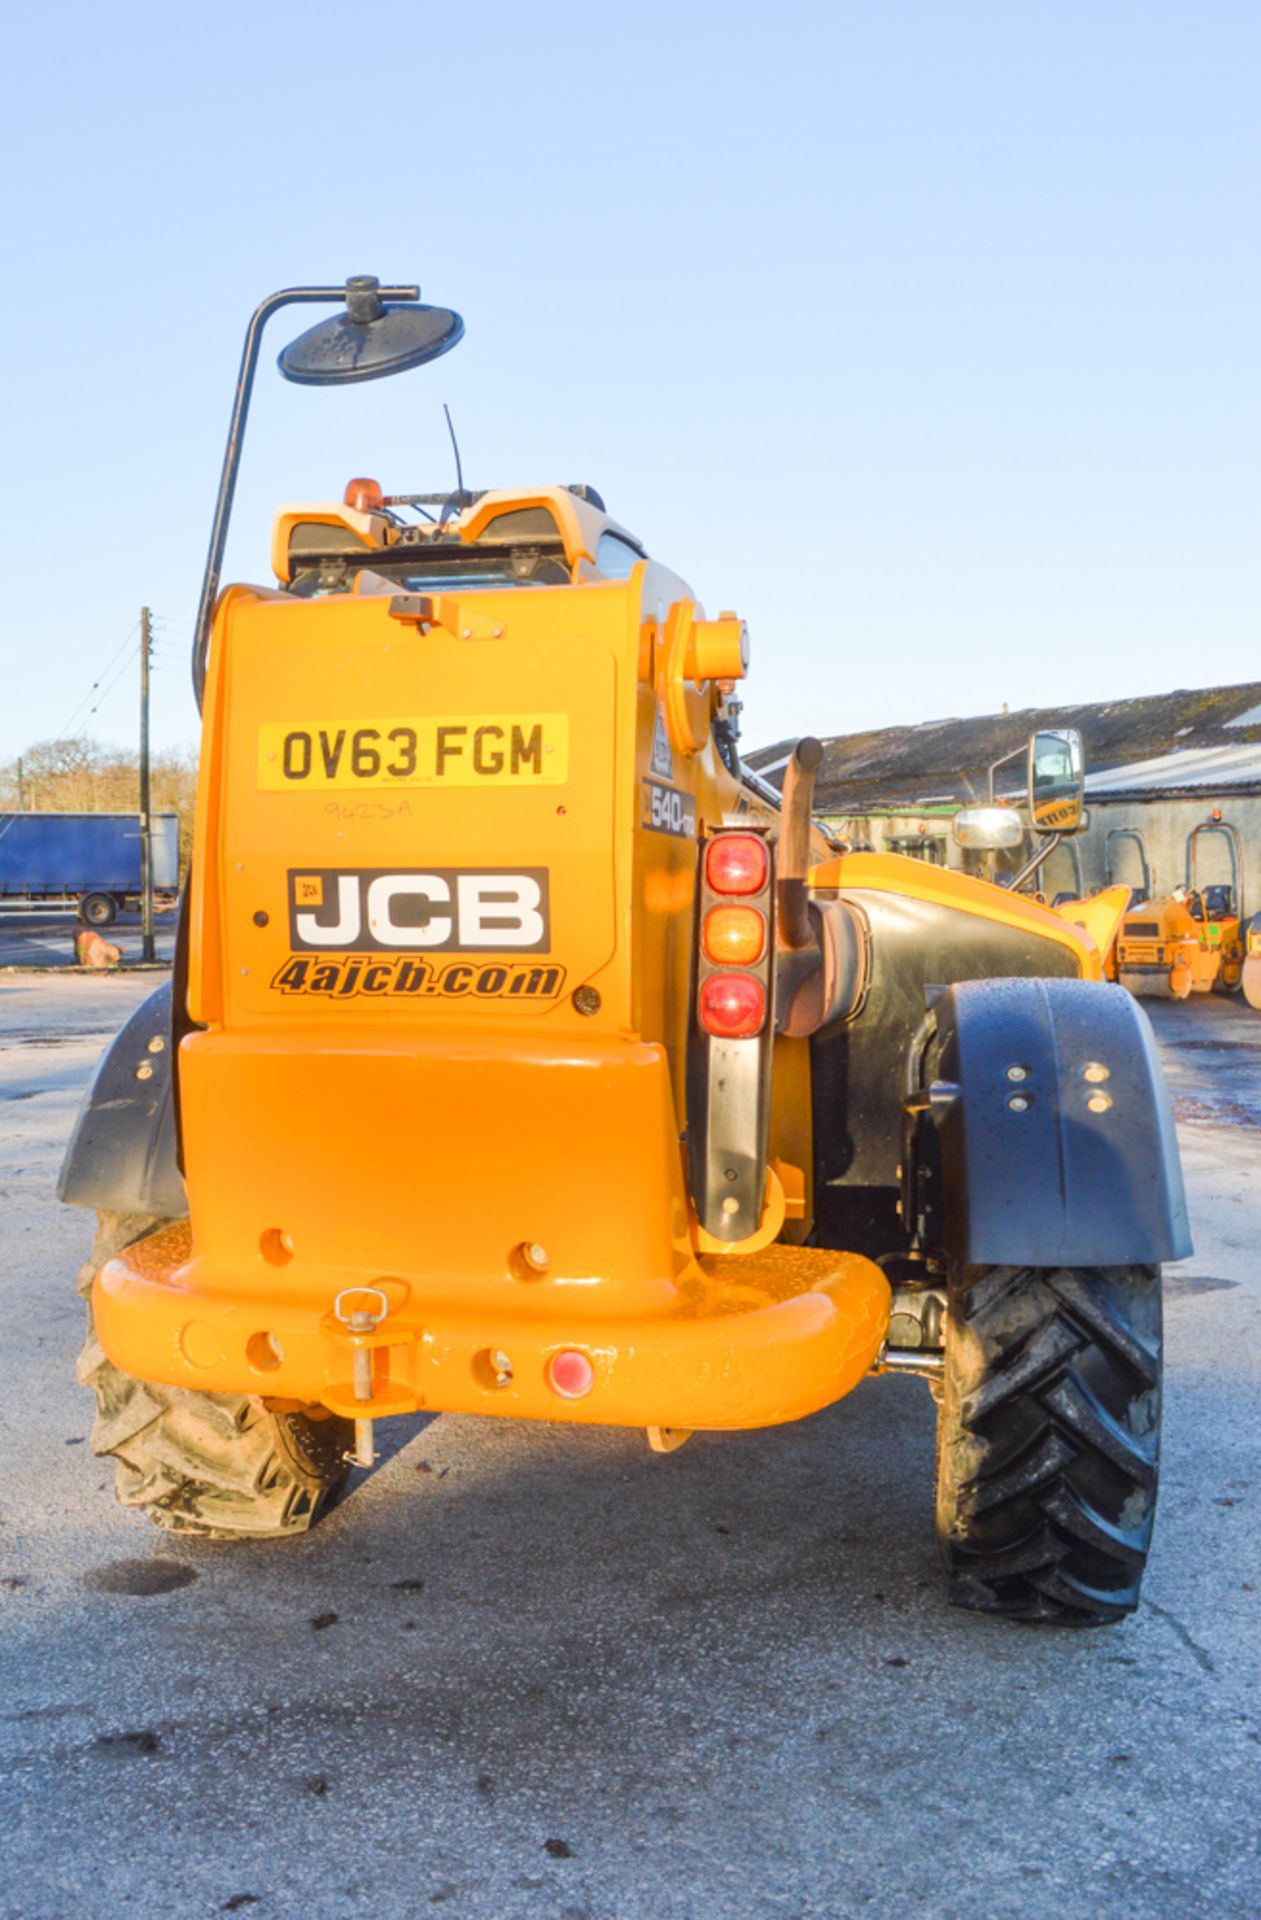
536	536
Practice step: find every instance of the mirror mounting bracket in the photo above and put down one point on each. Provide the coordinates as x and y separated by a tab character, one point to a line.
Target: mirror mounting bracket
1037	858
364	299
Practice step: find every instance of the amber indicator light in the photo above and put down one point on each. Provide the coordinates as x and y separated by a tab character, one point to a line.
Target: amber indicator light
734	936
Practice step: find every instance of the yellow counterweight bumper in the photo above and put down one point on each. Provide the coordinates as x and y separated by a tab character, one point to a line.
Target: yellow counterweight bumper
469	1226
744	1341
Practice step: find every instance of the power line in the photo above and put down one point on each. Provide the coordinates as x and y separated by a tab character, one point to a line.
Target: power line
106	691
64	731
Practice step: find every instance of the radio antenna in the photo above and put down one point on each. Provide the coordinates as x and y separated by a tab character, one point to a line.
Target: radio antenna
455	448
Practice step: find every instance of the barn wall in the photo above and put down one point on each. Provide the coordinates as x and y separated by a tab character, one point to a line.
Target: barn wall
1165	824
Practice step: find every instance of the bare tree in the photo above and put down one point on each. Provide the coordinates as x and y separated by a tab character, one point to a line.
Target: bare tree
82	776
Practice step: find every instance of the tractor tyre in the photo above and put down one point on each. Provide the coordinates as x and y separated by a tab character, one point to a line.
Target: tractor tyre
222	1466
1048	1439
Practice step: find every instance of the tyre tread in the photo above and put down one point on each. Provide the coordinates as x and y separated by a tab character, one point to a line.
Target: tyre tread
219	1466
1048	1440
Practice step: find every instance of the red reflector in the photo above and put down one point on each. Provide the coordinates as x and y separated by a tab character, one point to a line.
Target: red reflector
732	1005
736	863
570	1374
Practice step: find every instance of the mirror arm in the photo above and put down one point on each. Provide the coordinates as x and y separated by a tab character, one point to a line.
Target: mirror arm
288	296
1040	854
1004	761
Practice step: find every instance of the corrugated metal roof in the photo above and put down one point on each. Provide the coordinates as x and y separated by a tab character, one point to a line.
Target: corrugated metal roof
1200	768
943	760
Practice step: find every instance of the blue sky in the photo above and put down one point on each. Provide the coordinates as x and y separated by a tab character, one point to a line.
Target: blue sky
925	335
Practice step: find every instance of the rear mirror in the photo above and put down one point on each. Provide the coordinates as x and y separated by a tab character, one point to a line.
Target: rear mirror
988	829
369	339
1056	781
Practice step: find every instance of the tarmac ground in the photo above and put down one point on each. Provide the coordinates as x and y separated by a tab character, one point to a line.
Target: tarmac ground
540	1671
44	936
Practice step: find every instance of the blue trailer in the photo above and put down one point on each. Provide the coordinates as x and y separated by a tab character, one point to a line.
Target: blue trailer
89	858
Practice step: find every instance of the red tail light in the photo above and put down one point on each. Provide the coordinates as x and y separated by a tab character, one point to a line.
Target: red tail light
732	1005
736	863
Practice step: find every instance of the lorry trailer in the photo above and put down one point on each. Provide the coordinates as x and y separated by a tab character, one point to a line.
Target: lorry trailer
92	859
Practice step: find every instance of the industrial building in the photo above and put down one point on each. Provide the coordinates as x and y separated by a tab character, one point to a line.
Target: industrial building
1156	767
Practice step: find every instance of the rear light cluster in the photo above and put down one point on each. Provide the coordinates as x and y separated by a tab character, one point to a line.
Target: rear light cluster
735	933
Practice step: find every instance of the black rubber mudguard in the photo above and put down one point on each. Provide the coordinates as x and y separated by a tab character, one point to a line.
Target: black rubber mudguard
1057	1139
122	1153
916	947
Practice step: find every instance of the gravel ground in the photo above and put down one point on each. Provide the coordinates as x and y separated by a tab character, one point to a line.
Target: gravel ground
532	1671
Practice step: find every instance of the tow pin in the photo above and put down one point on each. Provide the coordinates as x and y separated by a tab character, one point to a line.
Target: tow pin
362	1320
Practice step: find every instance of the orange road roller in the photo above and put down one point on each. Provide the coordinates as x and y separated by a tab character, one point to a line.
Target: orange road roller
1193	940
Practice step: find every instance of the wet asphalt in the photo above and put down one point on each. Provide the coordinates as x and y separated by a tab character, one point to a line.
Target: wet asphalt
536	1671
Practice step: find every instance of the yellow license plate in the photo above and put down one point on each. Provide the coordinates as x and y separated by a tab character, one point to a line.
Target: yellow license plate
457	750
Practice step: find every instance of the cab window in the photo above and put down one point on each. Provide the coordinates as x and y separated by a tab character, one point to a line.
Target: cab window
616	559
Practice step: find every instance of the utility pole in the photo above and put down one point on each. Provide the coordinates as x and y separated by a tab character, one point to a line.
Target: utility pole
146	818
21	788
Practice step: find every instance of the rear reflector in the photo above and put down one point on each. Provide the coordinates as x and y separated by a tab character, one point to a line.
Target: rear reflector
736	863
732	1005
570	1374
734	936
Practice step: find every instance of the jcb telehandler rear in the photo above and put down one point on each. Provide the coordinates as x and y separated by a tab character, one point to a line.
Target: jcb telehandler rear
525	1057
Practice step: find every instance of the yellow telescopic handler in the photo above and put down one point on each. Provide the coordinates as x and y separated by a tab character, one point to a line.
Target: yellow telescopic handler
527	1056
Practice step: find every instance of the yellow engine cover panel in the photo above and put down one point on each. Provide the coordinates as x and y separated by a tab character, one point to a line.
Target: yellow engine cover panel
432	1161
403	823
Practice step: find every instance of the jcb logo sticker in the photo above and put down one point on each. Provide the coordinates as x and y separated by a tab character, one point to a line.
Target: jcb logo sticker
419	910
464	750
